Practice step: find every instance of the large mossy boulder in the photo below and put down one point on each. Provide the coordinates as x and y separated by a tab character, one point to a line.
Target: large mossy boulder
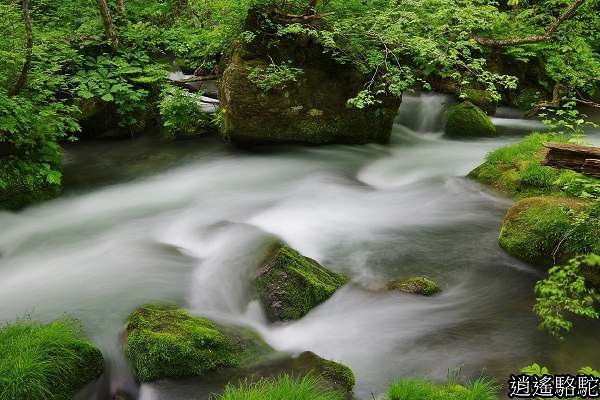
482	99
289	284
550	230
46	361
420	285
289	89
167	342
467	120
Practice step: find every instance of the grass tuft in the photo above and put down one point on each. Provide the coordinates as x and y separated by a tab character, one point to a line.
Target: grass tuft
282	388
45	361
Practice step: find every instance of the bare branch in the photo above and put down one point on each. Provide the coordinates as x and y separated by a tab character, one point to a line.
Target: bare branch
547	35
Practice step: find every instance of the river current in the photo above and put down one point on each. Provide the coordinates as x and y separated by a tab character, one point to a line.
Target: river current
144	221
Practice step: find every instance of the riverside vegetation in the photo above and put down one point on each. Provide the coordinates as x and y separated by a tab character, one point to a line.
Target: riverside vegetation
304	72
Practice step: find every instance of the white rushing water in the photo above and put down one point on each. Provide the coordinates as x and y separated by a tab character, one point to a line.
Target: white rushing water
193	235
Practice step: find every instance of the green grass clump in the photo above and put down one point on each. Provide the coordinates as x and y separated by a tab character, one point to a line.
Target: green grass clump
164	341
48	361
283	388
517	170
547	230
417	285
420	389
290	285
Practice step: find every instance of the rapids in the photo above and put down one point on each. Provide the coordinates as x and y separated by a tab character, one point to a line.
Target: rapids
186	222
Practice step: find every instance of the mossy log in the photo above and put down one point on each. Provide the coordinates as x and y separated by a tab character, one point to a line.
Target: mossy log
584	159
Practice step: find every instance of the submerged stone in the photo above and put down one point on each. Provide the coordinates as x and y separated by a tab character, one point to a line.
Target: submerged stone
305	102
289	285
418	285
468	120
164	341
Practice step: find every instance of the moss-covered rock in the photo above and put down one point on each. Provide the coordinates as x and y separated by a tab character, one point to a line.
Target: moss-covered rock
418	285
482	99
306	99
51	361
167	342
468	120
289	285
549	230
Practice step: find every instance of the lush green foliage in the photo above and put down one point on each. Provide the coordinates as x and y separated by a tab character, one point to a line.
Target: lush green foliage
164	341
285	387
566	292
40	362
419	389
181	114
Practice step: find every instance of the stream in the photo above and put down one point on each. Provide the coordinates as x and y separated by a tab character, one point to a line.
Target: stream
144	221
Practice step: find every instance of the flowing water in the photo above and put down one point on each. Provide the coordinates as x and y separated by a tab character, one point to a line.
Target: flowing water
187	222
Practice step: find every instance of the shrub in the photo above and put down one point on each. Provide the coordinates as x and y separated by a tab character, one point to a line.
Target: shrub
45	361
568	291
181	114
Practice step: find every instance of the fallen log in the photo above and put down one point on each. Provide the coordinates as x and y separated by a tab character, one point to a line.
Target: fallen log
592	168
584	159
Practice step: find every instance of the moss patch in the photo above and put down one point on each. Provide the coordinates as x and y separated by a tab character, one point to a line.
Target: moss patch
418	285
290	285
164	341
548	230
482	99
468	120
517	170
46	361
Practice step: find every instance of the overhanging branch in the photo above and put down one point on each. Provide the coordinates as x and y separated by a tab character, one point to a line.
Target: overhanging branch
547	35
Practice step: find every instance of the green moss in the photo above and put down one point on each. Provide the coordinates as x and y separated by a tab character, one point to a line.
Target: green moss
163	341
482	99
517	170
48	361
467	120
290	285
338	374
547	230
417	285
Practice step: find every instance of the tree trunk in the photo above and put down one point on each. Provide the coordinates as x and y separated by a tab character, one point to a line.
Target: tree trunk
28	52
312	7
569	12
584	159
109	27
122	7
